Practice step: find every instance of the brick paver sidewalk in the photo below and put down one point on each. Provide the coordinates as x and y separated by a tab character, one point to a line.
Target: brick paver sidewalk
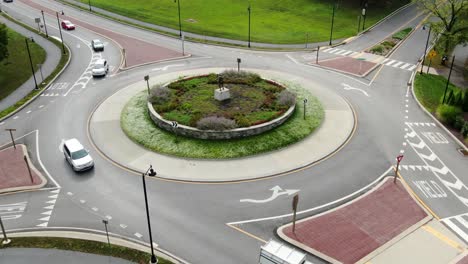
349	65
354	230
14	174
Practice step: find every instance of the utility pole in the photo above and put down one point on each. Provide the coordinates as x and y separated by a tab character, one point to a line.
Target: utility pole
89	3
30	61
333	20
425	49
448	80
60	30
45	25
248	9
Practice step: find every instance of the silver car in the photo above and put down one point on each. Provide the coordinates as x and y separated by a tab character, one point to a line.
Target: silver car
97	45
77	155
101	67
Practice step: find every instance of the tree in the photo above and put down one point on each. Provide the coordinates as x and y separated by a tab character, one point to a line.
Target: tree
453	21
3	42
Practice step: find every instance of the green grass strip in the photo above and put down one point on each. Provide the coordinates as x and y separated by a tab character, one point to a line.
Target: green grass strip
139	127
63	61
402	33
429	90
80	245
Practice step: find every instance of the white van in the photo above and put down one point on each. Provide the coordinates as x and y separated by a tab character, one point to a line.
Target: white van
77	155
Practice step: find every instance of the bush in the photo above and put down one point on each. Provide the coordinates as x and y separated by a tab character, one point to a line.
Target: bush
242	77
159	94
377	49
216	123
448	113
459	122
286	98
464	130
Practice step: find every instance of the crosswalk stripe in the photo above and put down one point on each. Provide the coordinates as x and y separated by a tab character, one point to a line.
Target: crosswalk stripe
340	52
412	68
387	59
456	229
404	66
354	53
397	64
333	51
347	53
390	62
327	50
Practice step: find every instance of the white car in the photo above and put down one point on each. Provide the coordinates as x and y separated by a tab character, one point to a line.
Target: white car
77	155
97	45
101	67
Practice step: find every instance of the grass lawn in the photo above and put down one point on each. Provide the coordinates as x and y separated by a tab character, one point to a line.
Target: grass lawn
139	127
272	21
86	246
429	90
15	70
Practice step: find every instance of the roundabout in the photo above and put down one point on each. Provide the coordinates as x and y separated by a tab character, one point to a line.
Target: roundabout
105	126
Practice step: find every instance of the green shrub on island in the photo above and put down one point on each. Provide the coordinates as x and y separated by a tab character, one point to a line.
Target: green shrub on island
252	101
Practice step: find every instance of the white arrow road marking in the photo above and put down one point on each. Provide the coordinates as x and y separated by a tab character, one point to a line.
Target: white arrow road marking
347	87
412	134
420	145
431	157
167	67
277	191
443	171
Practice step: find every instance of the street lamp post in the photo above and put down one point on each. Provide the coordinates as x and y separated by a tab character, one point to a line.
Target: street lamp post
147	83
248	9
45	25
364	16
60	30
5	241
154	259
425	49
89	4
448	80
105	222
180	24
30	62
333	20
238	64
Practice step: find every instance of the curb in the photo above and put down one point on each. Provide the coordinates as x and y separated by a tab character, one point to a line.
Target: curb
94	235
385	18
45	87
134	171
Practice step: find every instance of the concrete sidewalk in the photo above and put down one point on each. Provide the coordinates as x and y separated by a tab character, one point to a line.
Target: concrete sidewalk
104	128
52	60
383	226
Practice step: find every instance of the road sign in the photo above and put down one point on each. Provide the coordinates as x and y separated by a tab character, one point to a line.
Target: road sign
295	202
305	100
432	54
399	158
37	20
174	124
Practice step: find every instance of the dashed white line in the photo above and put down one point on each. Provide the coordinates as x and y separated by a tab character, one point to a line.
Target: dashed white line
95	209
2	123
69	193
123	226
108	217
138	235
41	106
82	201
16	117
412	68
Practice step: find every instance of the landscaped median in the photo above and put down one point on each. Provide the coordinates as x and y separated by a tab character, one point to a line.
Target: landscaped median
64	59
139	127
81	245
386	46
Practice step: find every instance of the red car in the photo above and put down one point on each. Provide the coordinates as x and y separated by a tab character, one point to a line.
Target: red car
67	25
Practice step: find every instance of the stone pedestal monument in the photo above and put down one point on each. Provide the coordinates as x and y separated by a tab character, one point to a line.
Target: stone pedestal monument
222	93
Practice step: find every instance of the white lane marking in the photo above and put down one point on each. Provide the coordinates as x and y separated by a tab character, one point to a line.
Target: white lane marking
167	67
327	50
108	217
390	62
340	52
28	112
291	58
456	229
348	87
41	106
347	53
82	201
277	191
50	207
95	209
404	66
412	68
123	226
138	235
2	123
397	64
333	51
69	193
384	61
15	117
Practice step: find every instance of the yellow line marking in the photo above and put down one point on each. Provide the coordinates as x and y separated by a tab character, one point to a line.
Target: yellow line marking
417	197
247	233
442	237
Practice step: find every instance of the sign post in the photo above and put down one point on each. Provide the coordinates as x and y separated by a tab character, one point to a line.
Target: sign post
399	158
11	135
294	207
305	102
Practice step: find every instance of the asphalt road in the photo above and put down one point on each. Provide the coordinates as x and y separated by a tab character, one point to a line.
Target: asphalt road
189	220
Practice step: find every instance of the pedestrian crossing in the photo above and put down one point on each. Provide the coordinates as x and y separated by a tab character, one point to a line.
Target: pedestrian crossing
341	52
387	62
458	224
398	64
55	89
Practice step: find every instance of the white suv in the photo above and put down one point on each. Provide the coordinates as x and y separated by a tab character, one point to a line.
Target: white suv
77	155
100	68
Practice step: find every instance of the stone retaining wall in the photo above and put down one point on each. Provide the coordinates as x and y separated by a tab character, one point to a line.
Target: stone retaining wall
212	134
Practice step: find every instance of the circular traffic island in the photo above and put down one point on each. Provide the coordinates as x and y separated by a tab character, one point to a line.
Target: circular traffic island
217	116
